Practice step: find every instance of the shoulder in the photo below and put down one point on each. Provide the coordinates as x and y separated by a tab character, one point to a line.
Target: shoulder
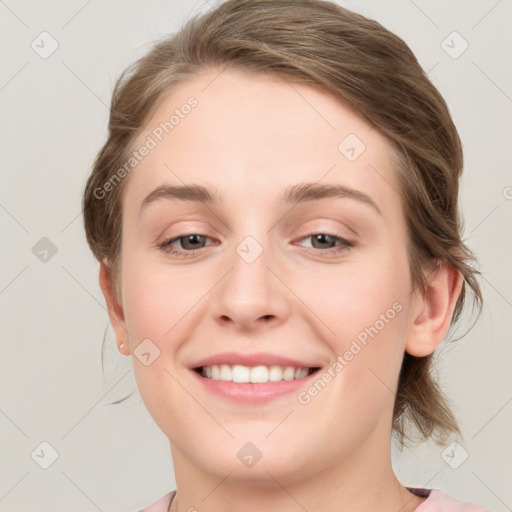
162	505
438	501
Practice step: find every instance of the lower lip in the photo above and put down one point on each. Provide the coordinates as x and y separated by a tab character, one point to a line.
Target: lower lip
253	392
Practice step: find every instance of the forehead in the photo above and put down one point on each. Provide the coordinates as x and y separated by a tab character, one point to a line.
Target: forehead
252	136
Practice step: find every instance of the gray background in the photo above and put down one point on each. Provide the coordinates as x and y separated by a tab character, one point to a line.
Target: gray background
53	317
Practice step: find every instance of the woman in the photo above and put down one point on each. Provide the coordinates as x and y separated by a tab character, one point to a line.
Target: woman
275	217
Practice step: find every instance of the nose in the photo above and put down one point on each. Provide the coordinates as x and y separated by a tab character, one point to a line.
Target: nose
252	294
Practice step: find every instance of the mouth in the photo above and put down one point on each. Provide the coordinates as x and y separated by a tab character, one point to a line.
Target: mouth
260	374
255	378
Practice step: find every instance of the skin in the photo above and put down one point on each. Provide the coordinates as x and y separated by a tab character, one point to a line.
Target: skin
250	137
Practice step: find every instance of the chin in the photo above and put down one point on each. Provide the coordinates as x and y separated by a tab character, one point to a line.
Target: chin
255	463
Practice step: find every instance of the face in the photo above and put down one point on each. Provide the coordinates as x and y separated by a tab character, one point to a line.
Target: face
264	277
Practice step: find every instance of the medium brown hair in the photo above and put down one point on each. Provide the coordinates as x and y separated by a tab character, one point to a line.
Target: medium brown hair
358	61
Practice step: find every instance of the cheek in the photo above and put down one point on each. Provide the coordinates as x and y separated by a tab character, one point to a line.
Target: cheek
350	297
155	299
365	310
155	309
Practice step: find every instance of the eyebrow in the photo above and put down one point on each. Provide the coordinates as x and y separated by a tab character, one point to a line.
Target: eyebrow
300	193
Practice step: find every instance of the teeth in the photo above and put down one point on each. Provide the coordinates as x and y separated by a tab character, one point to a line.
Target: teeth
225	372
259	374
239	373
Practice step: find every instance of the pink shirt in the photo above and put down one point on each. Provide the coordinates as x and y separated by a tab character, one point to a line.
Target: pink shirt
436	501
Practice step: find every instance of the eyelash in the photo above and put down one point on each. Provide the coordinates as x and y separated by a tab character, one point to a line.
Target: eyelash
344	245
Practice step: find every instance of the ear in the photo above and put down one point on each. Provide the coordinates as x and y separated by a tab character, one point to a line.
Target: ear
115	310
433	310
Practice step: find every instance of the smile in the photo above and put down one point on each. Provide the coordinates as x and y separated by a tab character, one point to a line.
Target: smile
253	374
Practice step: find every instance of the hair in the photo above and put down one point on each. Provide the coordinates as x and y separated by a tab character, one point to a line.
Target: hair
359	62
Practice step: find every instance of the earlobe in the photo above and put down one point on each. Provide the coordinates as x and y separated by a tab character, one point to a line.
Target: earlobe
433	310
115	310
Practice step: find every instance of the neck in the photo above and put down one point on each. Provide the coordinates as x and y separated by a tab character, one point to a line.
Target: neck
364	480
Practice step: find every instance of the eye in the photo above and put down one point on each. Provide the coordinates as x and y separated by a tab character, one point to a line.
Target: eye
324	241
191	243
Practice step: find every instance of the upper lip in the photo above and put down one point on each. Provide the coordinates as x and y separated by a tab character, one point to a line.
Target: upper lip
256	359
